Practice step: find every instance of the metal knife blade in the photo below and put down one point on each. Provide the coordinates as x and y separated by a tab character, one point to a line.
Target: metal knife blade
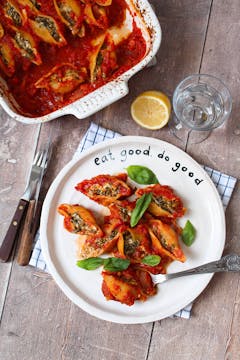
8	241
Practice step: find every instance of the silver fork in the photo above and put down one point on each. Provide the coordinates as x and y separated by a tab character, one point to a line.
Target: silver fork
32	219
36	174
39	167
229	263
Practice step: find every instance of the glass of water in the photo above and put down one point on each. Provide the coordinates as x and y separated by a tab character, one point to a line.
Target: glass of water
201	103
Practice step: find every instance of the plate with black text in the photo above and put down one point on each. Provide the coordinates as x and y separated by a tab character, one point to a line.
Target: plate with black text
173	168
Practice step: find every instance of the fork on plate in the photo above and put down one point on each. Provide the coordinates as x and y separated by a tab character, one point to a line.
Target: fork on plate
228	263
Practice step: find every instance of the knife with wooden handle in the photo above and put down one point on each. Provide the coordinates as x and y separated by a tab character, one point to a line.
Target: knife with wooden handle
32	220
13	230
25	247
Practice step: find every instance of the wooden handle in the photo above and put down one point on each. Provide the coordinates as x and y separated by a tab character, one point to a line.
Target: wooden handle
25	247
8	242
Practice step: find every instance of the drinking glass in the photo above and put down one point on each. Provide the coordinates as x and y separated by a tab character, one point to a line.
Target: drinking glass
201	103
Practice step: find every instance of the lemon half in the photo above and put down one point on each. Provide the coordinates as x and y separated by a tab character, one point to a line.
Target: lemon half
151	109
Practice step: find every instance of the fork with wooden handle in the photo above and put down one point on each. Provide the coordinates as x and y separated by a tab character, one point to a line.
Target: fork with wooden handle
13	230
32	220
30	227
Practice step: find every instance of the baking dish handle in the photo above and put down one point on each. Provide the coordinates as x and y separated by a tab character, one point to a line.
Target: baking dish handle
99	99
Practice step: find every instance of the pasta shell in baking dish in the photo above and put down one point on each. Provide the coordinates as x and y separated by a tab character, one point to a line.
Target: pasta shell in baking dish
165	240
27	46
97	44
103	2
1	31
32	4
103	59
122	32
62	78
79	220
7	63
71	14
99	2
95	16
11	11
46	28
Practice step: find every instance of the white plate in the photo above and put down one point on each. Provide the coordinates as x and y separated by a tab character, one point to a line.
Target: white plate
173	167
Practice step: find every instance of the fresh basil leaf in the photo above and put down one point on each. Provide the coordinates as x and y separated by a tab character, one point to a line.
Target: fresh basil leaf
116	264
91	263
188	233
151	260
142	175
140	208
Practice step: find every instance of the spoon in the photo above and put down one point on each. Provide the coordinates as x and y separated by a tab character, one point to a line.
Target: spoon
227	263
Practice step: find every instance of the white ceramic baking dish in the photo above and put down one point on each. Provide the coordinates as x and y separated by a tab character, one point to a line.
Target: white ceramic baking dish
146	20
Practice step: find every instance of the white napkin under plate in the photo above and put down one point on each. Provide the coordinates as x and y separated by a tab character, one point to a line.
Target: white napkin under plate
96	134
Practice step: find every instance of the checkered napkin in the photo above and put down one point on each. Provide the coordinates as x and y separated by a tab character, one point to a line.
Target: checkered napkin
96	134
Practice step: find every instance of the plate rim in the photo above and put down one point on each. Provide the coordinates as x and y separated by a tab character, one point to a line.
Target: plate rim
92	310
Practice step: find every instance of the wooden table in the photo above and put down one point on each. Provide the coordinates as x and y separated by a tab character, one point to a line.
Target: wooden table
38	322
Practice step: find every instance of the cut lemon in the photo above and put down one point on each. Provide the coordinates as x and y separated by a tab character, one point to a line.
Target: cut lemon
151	109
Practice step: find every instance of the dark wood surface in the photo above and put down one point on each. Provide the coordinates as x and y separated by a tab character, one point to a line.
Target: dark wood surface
38	322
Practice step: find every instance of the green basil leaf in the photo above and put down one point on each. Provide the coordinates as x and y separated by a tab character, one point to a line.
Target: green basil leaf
91	263
116	264
140	208
188	233
142	175
151	260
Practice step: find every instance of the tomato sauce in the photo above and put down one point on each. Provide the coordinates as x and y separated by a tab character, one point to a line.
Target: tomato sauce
22	74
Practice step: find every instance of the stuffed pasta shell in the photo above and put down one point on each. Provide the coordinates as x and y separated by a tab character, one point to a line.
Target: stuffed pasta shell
165	240
164	201
7	62
14	14
62	79
47	29
79	220
71	13
105	189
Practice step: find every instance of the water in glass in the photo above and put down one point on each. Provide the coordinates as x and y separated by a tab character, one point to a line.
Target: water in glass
199	106
201	103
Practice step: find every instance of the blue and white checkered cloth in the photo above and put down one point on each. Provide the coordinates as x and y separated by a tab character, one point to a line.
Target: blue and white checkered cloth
96	134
